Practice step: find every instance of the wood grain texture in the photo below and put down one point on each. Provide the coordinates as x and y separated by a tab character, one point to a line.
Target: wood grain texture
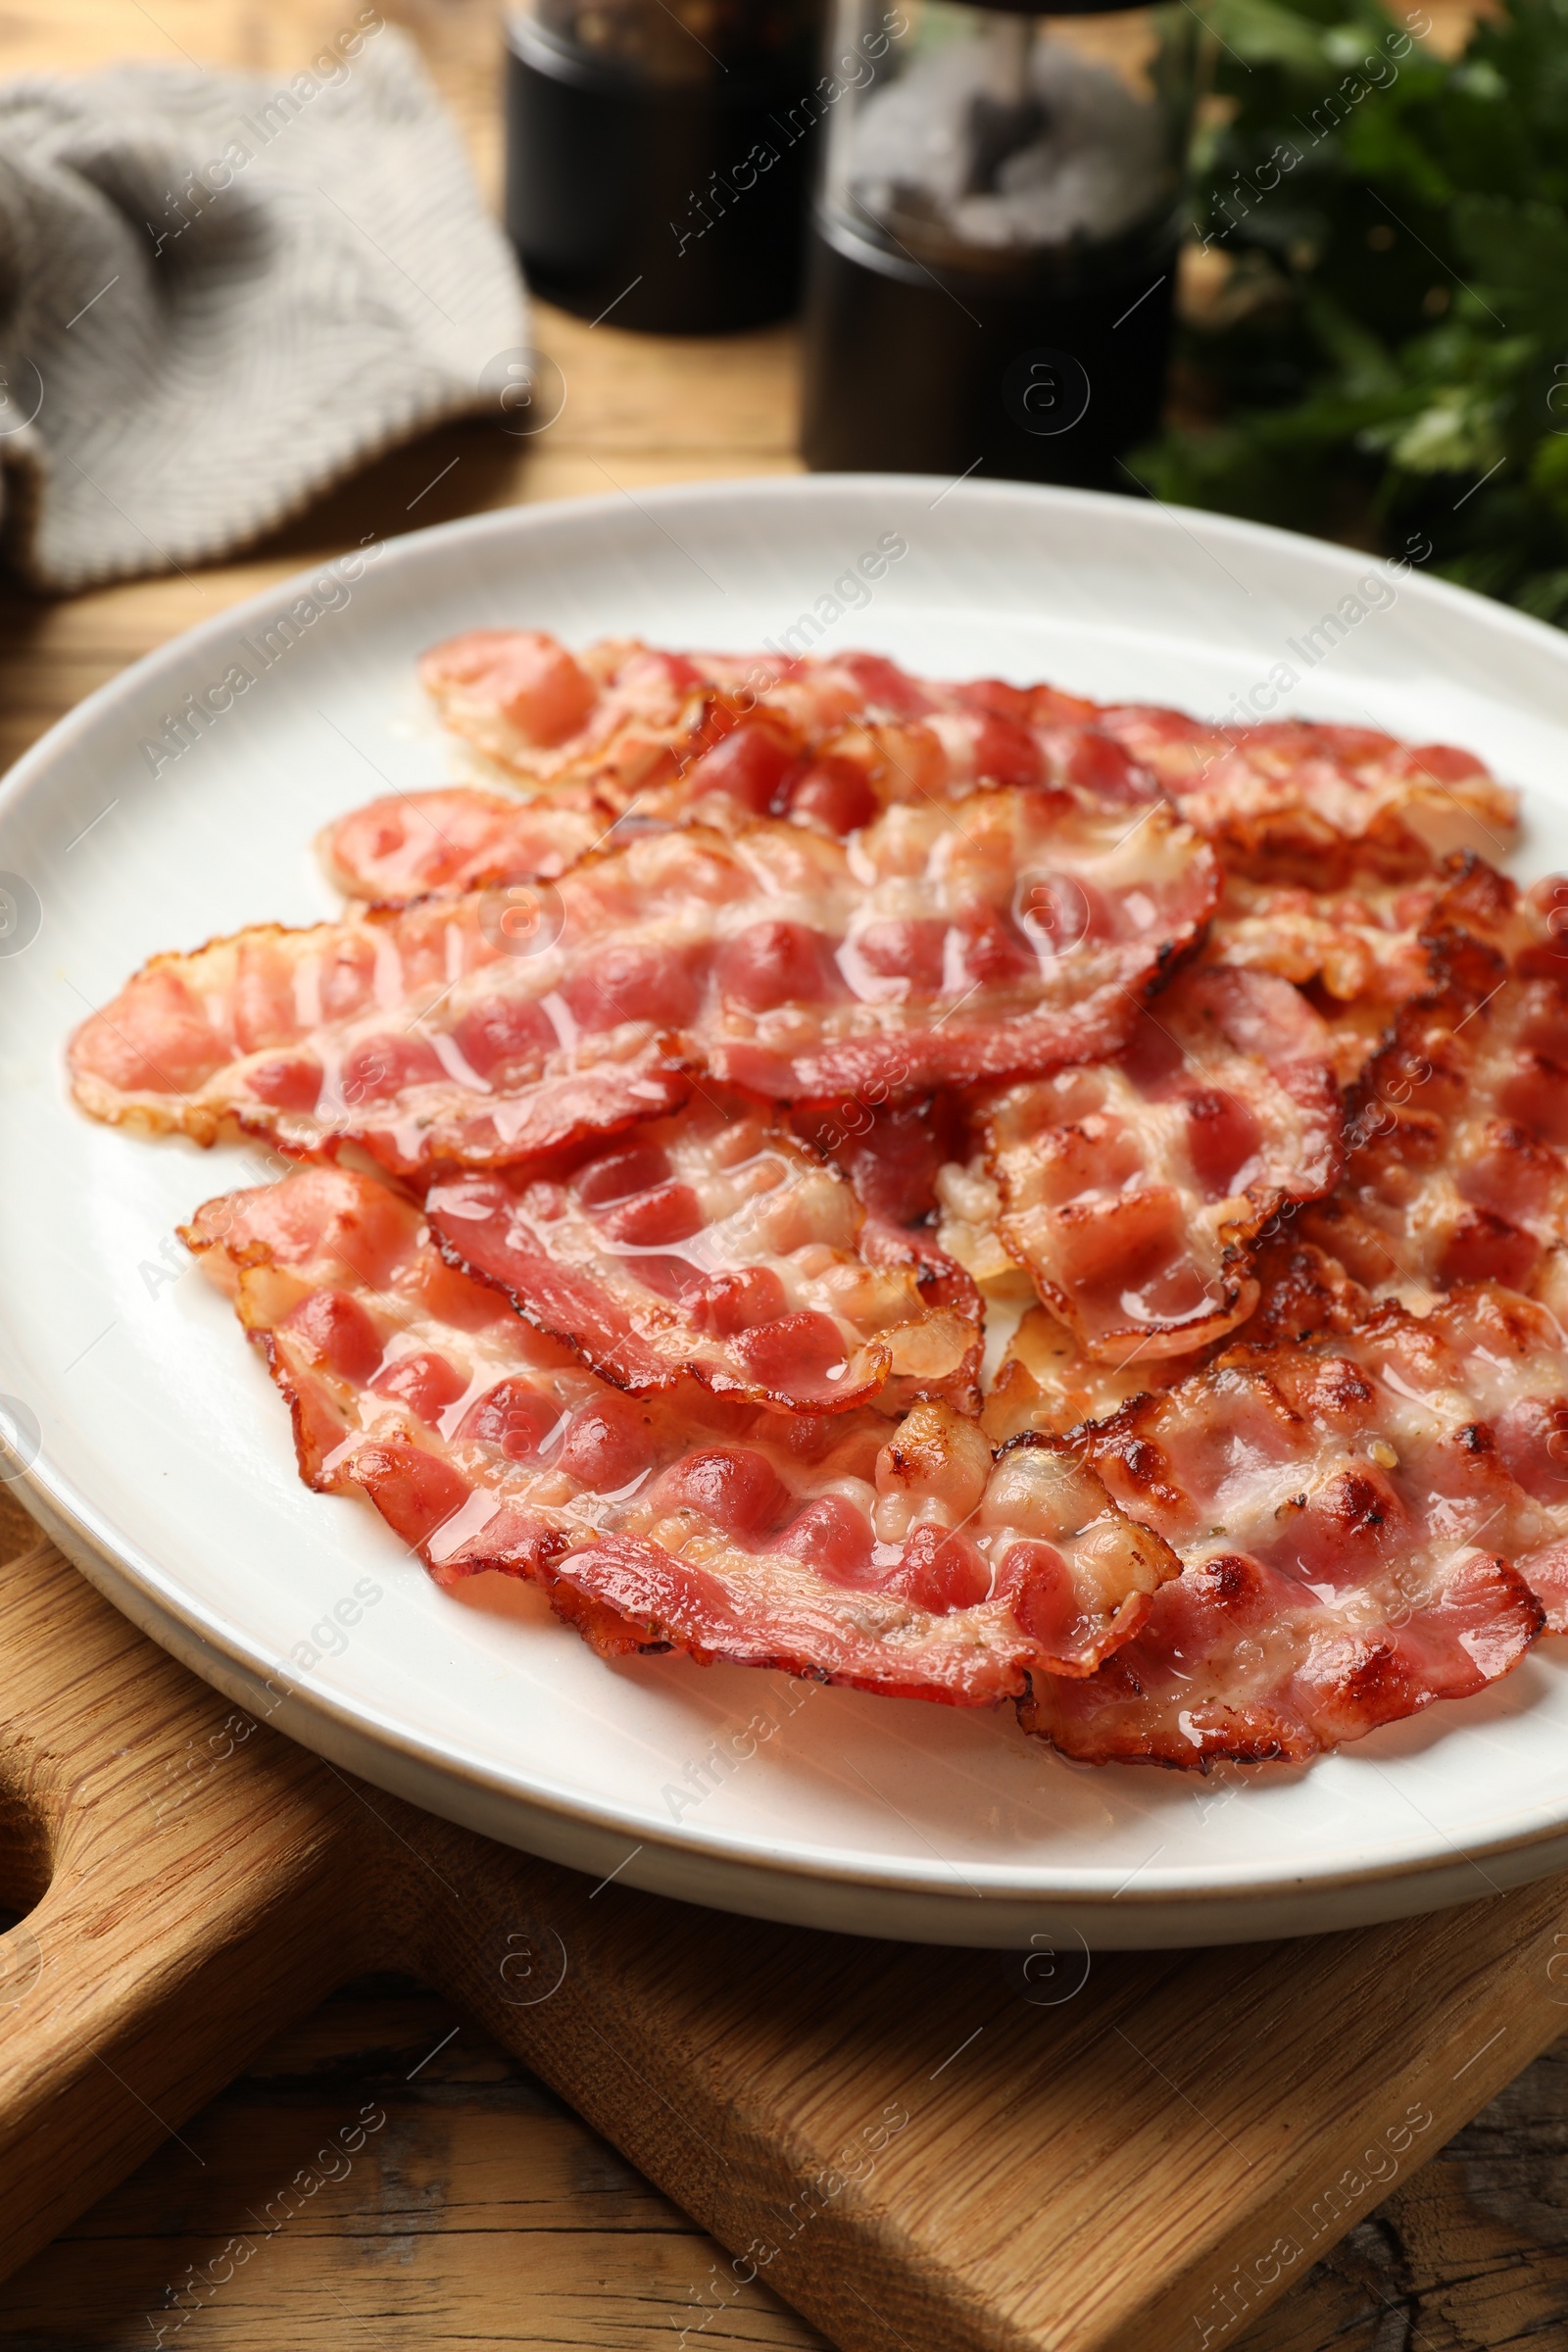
1470	2255
484	2214
480	2212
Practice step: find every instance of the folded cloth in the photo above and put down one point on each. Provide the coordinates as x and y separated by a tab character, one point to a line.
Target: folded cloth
219	293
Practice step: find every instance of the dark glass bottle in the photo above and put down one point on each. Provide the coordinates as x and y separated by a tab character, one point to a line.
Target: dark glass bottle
658	155
994	241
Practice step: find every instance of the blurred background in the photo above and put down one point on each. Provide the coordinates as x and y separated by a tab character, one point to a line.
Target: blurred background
1300	260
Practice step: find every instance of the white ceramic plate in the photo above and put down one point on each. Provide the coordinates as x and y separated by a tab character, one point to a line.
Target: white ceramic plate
163	1463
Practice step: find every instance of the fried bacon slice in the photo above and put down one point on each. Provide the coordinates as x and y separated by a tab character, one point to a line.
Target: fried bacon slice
1130	1190
1358	956
1360	953
413	842
503	1024
537	712
893	1150
1296	802
630	720
415	1034
720	736
827	744
836	772
944	947
1365	1526
1302	799
903	1562
1458	1162
1126	1193
1046	1380
832	741
715	1246
458	837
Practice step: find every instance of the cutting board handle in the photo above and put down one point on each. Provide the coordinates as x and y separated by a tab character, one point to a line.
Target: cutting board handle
169	1932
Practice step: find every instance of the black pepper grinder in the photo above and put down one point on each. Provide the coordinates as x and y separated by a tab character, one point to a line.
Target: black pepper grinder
993	248
658	155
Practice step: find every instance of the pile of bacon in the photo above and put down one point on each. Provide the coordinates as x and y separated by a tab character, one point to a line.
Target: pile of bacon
954	1189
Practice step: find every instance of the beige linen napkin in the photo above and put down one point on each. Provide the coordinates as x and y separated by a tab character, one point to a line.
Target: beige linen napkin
219	293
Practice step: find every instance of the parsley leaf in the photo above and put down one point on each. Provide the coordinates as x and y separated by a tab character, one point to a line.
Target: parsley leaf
1383	236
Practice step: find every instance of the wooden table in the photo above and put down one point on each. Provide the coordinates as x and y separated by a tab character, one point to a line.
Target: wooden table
484	2212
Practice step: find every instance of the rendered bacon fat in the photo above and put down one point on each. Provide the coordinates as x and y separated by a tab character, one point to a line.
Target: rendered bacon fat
1048	1382
1130	1189
499	1025
716	1245
906	1563
1364	1526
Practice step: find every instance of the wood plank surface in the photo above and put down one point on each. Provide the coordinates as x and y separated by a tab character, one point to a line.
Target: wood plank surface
481	2211
484	2214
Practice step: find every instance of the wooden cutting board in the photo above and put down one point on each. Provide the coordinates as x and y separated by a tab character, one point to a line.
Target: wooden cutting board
945	2150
